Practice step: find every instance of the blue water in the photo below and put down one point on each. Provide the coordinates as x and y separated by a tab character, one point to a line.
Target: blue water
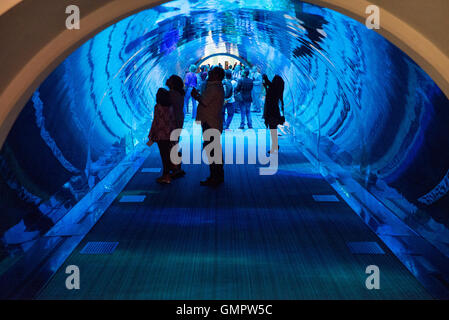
358	103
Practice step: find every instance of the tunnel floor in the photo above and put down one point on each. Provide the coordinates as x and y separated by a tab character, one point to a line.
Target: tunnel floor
255	237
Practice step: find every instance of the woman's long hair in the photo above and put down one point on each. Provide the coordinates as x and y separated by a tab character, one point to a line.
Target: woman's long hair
163	97
175	82
278	86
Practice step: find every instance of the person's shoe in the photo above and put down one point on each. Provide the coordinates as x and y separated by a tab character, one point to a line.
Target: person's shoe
206	182
242	127
210	182
250	127
164	179
178	174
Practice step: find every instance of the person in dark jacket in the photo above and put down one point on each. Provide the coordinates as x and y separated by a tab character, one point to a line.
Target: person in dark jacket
244	89
271	112
164	122
210	114
177	93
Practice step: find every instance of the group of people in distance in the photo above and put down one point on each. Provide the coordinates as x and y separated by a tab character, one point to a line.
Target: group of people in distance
216	95
243	90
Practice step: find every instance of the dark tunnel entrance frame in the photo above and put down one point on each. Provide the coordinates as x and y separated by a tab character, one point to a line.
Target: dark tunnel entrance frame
242	60
225	54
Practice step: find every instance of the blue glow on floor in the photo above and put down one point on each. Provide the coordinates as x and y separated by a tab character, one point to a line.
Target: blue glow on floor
365	248
151	170
325	198
132	199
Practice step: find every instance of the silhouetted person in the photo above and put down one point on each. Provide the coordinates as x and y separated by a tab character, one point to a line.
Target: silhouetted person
164	122
271	112
244	89
191	81
210	115
177	93
229	86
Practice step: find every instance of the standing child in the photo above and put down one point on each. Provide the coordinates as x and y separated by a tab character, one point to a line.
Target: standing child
164	122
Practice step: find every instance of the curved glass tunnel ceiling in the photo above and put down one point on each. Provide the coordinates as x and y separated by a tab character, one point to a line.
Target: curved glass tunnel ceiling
355	102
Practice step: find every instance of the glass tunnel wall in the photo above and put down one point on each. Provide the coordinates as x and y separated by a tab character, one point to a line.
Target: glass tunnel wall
358	106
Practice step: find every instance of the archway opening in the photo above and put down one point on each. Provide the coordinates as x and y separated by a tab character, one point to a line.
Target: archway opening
225	60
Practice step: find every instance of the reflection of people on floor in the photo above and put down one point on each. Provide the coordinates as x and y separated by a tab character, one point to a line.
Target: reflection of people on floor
191	81
164	122
210	115
244	89
271	113
229	86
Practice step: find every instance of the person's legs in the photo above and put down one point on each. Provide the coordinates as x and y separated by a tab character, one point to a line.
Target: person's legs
219	171
177	171
194	107
216	169
226	113
274	139
230	110
248	115
187	99
205	127
164	150
236	107
254	103
243	106
256	100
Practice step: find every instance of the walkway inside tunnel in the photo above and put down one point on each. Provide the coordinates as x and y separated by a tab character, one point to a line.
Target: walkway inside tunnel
255	237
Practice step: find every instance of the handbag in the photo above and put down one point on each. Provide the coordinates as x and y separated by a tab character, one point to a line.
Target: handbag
282	119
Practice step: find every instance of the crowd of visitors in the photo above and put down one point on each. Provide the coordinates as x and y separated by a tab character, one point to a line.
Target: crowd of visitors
213	95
